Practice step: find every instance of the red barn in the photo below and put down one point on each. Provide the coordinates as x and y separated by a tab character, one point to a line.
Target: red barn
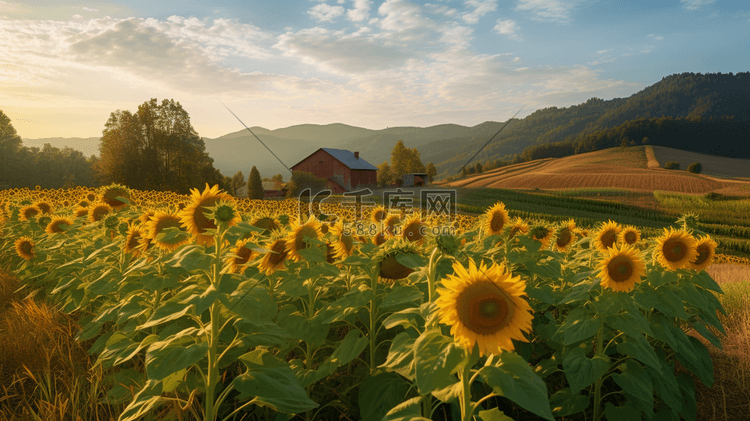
343	169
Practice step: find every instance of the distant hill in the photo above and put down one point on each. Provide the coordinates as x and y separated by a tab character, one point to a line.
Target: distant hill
687	96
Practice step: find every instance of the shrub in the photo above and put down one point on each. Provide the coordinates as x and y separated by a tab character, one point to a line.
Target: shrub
302	180
695	168
672	165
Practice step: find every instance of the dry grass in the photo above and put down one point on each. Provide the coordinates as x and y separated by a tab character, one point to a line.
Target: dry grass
729	398
628	168
717	166
651	157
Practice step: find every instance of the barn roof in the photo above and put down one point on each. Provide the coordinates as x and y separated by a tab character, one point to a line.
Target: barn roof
347	158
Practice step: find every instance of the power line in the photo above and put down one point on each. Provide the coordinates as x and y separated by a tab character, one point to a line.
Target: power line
488	142
261	142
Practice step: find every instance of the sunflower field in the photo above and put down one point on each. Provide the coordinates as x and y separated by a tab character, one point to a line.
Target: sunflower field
209	307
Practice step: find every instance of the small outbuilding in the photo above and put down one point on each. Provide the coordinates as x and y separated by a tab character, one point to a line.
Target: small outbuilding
414	179
344	170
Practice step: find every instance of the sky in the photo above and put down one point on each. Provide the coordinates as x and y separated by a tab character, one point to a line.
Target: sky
66	65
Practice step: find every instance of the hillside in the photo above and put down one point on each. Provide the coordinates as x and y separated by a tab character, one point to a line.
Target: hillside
625	168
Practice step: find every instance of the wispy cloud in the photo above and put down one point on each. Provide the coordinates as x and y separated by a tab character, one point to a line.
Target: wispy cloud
548	10
325	13
360	12
89	9
480	8
507	27
696	4
647	49
656	37
440	9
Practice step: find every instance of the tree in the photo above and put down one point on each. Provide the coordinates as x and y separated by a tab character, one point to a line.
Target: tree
155	148
304	180
645	141
431	171
254	185
672	165
385	175
400	160
10	146
278	179
238	182
695	168
478	168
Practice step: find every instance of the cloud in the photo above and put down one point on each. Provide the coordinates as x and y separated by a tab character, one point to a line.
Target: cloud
89	9
548	10
601	51
440	9
656	37
325	13
506	27
481	8
696	4
360	12
401	16
647	49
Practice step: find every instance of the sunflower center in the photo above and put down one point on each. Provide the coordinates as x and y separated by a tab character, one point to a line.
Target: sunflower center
30	213
484	308
378	215
390	268
266	223
26	247
348	242
412	232
620	269
608	239
133	240
279	252
305	231
497	222
201	222
244	254
630	237
379	238
564	238
56	226
703	253
674	250
99	213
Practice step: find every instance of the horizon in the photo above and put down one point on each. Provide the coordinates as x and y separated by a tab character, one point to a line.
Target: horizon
362	63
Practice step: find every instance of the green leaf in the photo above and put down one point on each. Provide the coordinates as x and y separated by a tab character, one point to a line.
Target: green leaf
579	292
378	394
687	388
546	367
174	353
251	301
411	260
665	383
105	284
514	379
347	304
206	299
582	371
407	411
543	293
658	278
669	303
701	328
313	332
449	393
191	257
132	352
493	414
706	281
144	401
313	254
272	383
636	382
580	325
612	303
166	312
399	296
124	381
436	357
350	348
173	380
564	403
261	334
408	318
631	322
626	412
640	349
401	356
702	366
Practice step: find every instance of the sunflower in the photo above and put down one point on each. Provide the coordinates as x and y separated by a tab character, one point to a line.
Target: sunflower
483	306
146	216
390	223
390	269
379	238
132	240
80	212
55	226
157	224
496	218
518	227
706	248
629	235
675	249
330	253
606	235
274	260
109	195
565	235
324	228
413	230
192	216
296	239
378	215
541	233
28	212
99	211
243	255
622	268
343	244
266	221
44	207
25	248
83	204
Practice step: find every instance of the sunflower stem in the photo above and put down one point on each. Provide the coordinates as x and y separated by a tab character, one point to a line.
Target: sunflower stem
467	409
598	386
373	314
212	379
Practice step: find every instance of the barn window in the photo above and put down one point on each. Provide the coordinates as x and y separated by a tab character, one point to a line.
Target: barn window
321	162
